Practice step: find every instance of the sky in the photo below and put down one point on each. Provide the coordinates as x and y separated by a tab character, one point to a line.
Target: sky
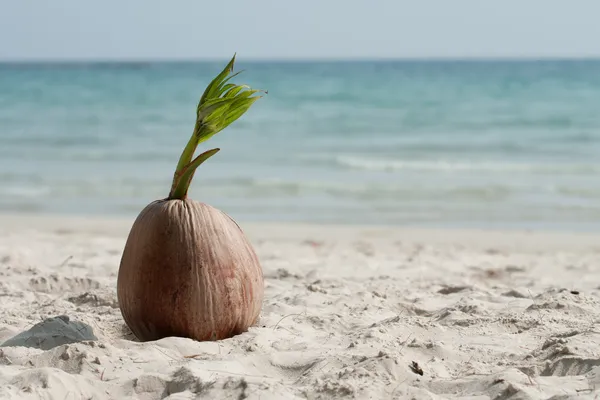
288	29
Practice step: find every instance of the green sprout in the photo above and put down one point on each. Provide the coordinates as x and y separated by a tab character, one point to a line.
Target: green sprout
221	104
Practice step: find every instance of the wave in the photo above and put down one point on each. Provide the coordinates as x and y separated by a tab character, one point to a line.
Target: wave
372	164
132	187
251	188
83	154
357	190
25	191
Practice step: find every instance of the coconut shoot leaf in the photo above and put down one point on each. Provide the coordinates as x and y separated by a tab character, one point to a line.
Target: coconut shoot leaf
225	117
212	107
236	111
224	84
209	92
226	88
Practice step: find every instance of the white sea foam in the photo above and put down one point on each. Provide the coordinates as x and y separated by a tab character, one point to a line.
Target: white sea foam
24	191
381	164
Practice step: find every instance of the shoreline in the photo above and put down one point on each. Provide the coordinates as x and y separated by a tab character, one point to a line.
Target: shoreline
478	237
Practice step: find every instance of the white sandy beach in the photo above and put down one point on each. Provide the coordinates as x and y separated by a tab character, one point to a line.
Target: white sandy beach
349	312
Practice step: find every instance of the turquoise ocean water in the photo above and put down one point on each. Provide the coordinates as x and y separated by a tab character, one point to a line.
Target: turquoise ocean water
437	143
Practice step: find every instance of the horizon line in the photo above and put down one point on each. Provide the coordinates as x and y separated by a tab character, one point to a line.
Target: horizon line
299	59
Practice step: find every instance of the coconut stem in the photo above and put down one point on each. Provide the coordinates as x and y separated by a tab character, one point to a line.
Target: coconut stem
184	160
179	191
221	104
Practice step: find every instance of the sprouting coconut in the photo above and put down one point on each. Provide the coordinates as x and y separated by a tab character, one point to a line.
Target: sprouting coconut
188	269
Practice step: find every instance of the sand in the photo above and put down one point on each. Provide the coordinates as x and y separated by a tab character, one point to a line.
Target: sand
349	312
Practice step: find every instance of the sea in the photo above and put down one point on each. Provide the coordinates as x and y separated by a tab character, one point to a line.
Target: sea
511	144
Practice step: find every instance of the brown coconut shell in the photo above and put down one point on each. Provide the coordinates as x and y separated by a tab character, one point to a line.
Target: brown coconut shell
188	270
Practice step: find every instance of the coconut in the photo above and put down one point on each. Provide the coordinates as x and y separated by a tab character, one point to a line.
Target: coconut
187	268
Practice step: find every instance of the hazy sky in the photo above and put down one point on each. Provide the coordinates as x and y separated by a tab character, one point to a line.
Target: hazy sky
158	29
